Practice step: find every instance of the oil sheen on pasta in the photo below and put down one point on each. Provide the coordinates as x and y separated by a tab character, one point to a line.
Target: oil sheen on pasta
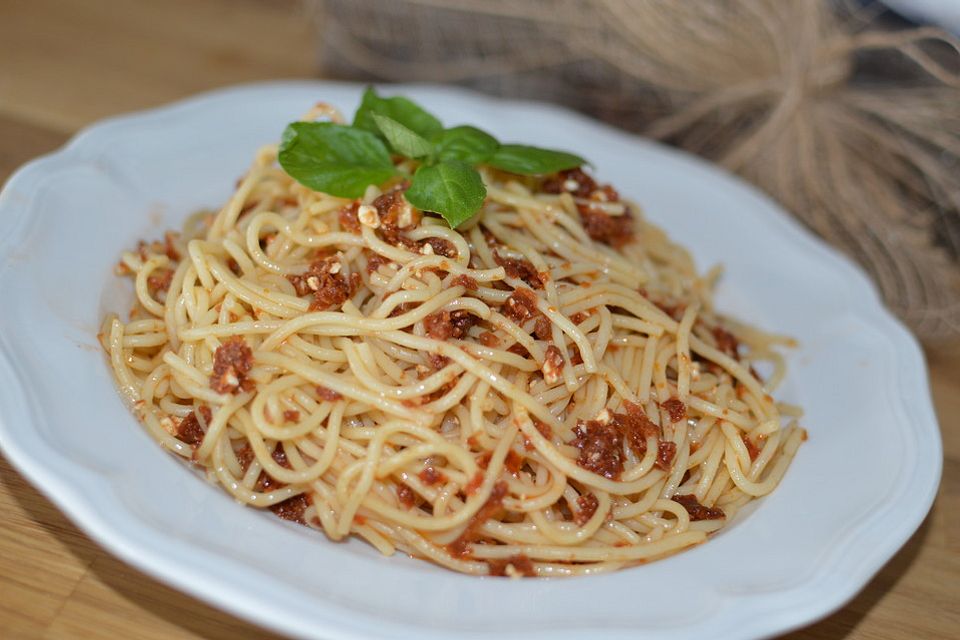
544	391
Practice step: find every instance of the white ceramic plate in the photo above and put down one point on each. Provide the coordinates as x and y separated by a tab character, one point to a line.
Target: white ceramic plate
857	490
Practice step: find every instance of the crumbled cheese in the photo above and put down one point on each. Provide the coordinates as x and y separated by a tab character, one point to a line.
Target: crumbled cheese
313	282
405	219
169	425
335	268
695	371
427	249
551	373
570	185
604	417
368	216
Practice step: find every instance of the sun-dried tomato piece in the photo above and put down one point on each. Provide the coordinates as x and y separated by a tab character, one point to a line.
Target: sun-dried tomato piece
601	447
697	511
232	360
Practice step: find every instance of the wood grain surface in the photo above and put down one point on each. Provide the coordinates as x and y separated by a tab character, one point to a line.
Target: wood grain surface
64	64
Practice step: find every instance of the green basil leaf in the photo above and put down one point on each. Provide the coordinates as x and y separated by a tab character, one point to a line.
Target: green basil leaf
334	158
401	109
529	161
466	143
452	188
401	139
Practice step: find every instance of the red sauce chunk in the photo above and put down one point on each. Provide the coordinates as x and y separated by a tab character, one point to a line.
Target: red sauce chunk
483	460
328	394
347	216
279	456
266	482
474	485
519	349
752	448
291	415
636	427
675	311
576	358
543	428
726	342
553	363
324	279
586	506
189	429
541	327
514	566
406	496
458	548
440	247
444	325
487	339
232	360
615	231
697	511
159	280
170	239
375	261
393	208
676	409
513	462
292	508
521	305
431	476
519	268
437	361
582	184
601	448
244	457
665	453
465	281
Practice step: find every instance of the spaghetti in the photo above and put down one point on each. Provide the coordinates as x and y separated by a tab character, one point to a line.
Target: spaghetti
546	390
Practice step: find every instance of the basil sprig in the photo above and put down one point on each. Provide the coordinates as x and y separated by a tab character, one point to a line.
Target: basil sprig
333	158
343	160
452	188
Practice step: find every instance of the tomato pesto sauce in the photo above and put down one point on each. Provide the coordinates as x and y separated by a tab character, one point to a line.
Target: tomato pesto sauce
471	351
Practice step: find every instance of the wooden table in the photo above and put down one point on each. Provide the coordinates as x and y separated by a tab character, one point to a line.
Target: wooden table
66	63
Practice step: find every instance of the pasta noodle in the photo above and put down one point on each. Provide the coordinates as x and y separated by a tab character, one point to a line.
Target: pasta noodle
546	390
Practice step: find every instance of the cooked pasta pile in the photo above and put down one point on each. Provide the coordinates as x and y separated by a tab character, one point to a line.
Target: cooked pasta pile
546	390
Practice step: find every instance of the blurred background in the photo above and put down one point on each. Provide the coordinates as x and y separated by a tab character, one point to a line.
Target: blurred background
844	111
847	113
